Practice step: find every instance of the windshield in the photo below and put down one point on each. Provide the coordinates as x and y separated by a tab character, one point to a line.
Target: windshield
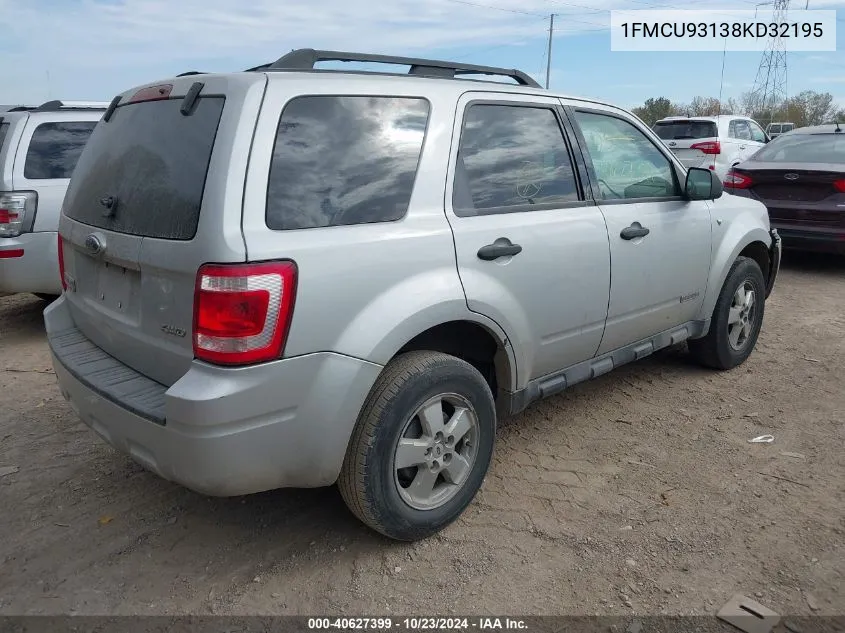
804	148
677	130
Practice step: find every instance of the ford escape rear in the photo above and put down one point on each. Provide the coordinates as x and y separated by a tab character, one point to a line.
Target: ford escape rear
266	285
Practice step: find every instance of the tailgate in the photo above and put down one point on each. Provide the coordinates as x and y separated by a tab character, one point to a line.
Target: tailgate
156	193
691	140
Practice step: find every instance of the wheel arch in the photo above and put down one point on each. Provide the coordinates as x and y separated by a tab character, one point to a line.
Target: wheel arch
753	243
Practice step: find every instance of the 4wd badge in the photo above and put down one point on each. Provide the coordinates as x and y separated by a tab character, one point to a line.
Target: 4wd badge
173	330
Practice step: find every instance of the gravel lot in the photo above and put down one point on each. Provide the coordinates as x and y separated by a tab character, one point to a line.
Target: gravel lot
636	493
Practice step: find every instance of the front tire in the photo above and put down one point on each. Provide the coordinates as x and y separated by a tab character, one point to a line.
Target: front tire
737	318
421	447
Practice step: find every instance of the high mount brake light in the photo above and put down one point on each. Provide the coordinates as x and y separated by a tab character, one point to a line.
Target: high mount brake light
152	93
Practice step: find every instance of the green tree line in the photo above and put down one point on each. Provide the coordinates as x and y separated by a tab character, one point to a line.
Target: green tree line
806	108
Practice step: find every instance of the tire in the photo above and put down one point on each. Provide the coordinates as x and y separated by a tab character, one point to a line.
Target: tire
717	349
376	489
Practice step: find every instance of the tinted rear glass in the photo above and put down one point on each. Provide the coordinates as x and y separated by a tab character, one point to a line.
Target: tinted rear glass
678	130
804	148
344	160
152	160
55	149
774	129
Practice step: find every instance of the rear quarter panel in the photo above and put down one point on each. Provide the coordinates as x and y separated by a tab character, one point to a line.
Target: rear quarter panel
365	290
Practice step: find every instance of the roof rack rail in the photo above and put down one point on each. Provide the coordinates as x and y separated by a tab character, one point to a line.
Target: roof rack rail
191	72
306	58
21	108
56	104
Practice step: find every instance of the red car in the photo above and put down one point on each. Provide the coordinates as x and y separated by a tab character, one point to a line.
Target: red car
800	177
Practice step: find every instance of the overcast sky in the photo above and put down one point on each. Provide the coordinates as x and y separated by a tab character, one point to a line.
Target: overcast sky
94	49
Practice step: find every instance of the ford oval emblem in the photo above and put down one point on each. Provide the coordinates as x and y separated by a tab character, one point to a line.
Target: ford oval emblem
791	176
94	244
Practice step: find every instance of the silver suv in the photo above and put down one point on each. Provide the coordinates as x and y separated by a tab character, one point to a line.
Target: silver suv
291	277
39	147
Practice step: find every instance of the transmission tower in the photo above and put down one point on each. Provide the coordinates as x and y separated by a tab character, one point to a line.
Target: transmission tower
769	91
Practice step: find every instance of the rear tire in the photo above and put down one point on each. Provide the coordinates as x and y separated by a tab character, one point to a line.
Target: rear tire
737	318
421	447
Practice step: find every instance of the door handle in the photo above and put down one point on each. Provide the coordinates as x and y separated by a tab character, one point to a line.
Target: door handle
502	247
634	231
742	147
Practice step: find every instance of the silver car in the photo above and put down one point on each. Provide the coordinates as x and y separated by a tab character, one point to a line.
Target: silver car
292	277
39	147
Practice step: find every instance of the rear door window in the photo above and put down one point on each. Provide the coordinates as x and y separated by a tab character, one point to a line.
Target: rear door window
55	149
740	130
340	160
511	159
152	162
682	130
757	133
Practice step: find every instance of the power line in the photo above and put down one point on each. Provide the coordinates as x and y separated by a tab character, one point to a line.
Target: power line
487	6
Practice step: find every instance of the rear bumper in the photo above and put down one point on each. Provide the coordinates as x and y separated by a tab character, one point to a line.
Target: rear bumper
775	251
821	241
36	270
224	431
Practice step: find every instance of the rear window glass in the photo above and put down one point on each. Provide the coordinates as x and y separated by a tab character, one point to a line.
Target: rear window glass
804	148
511	159
55	149
152	162
677	130
344	160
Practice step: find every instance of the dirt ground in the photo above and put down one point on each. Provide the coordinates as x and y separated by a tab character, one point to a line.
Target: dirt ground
636	493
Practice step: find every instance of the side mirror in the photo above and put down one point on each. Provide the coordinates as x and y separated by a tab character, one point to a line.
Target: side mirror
702	184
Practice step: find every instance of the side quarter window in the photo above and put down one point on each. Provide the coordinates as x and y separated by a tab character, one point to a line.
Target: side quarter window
512	158
55	149
626	163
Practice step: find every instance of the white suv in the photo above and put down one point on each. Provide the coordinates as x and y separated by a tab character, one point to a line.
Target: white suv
39	147
713	142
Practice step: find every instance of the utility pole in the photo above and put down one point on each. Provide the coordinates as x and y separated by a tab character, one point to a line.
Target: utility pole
549	54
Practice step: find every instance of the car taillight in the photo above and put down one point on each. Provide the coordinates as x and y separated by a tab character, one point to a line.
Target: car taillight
17	212
735	180
242	312
62	263
840	185
708	147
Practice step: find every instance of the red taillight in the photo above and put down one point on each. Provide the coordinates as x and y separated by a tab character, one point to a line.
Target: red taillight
11	253
152	93
735	180
708	147
62	263
242	312
7	216
840	185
